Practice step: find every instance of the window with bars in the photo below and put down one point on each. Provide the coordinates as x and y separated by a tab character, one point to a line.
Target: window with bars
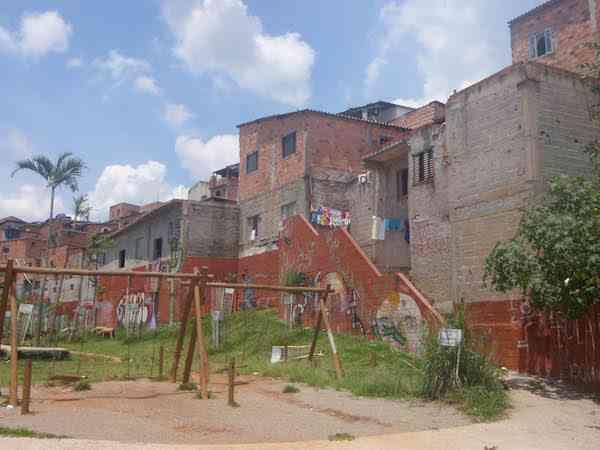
423	167
288	144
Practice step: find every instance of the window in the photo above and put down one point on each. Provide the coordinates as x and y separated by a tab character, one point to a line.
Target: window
288	144
541	44
401	184
252	162
253	227
101	259
122	259
423	167
72	287
158	248
288	210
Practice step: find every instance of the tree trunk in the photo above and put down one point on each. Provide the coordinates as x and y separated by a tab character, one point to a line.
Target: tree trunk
52	192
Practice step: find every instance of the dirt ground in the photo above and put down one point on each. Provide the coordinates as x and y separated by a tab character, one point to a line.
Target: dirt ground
144	411
545	416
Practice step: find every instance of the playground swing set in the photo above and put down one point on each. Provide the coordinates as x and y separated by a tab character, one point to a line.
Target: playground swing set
198	282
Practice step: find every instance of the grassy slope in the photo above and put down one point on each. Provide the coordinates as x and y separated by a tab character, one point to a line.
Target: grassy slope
371	368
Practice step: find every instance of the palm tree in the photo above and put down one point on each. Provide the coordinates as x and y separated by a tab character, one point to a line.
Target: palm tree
64	172
81	208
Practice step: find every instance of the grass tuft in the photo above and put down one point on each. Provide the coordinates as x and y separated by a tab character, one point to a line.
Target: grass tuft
341	437
26	433
82	385
290	389
189	386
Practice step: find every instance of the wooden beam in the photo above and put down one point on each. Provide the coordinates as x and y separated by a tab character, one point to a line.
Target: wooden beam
266	287
26	388
182	329
187	368
89	273
14	352
8	282
334	354
199	292
319	324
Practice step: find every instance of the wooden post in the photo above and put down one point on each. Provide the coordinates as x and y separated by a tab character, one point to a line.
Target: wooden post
161	362
14	354
26	388
187	368
313	345
182	329
334	354
8	281
199	293
231	384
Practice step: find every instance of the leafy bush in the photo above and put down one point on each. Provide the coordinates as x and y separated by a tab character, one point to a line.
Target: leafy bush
477	383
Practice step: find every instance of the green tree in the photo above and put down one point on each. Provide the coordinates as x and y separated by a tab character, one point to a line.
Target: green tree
554	258
81	207
64	172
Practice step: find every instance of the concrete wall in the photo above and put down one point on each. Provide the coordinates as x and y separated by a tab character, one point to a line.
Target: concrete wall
213	229
572	26
502	139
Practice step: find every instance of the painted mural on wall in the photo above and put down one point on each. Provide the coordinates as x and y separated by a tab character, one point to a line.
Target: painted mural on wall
399	321
136	309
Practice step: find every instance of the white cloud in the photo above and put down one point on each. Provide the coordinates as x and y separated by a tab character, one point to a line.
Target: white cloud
220	37
125	183
374	70
146	84
29	202
38	35
15	143
177	114
458	42
121	68
202	158
74	63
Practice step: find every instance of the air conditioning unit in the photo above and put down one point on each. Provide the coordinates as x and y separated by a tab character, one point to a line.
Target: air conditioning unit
363	178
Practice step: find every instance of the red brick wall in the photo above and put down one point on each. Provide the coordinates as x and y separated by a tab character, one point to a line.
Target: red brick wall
571	26
114	288
25	250
322	140
434	112
540	344
262	269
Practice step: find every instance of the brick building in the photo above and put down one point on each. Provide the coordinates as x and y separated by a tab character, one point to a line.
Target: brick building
556	33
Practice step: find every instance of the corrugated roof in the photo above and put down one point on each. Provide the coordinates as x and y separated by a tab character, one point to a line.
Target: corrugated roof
11	219
535	10
323	113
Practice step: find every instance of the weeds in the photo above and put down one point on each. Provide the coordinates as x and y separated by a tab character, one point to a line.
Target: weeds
189	386
290	389
82	385
26	433
341	437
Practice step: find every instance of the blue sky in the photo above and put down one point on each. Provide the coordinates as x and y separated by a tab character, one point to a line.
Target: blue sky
149	93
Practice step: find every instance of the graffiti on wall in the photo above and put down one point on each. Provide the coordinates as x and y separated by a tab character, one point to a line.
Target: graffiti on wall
352	311
399	321
135	310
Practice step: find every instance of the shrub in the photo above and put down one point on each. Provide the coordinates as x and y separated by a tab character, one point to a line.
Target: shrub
189	386
82	385
290	389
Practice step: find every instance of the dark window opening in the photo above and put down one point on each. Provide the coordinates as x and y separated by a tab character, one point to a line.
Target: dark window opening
288	210
423	167
252	162
253	227
122	259
384	140
404	181
541	44
288	144
158	243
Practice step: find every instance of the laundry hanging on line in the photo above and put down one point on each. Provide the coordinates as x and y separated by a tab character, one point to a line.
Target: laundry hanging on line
330	217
